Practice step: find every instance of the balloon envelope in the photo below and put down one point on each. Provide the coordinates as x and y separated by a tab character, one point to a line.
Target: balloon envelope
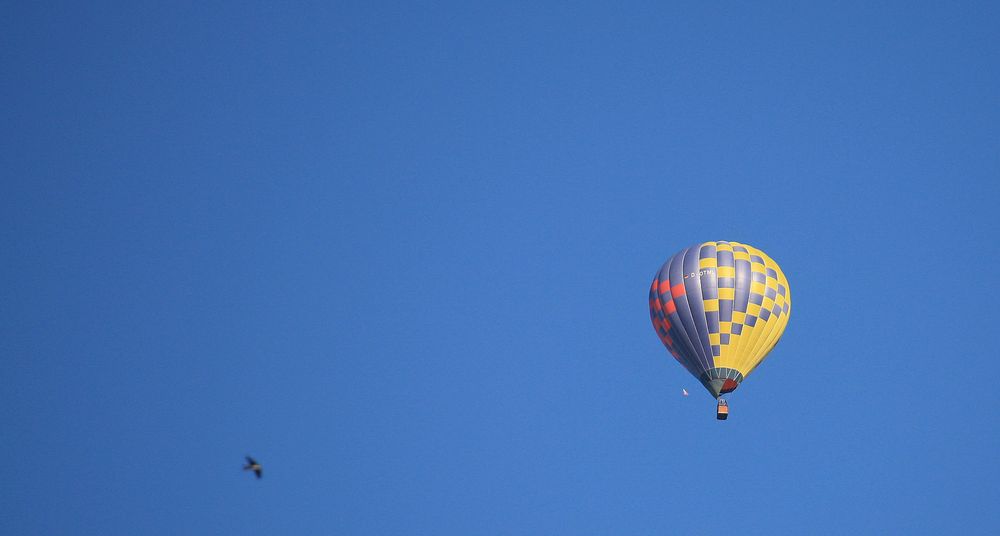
719	308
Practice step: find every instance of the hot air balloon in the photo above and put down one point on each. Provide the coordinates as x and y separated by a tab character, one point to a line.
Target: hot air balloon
719	308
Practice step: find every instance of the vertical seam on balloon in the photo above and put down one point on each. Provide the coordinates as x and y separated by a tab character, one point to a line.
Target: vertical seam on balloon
680	258
690	362
758	327
744	333
772	338
718	300
706	351
724	349
713	278
684	355
701	320
762	345
781	322
761	326
760	348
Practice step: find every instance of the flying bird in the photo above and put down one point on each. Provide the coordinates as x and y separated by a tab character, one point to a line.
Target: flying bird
684	392
252	465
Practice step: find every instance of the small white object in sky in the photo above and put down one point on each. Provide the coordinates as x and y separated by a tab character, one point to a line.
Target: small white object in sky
684	392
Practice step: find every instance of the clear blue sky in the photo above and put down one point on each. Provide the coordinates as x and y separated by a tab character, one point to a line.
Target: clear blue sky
400	254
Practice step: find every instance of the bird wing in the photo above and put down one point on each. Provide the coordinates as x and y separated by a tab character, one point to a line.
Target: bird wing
257	472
